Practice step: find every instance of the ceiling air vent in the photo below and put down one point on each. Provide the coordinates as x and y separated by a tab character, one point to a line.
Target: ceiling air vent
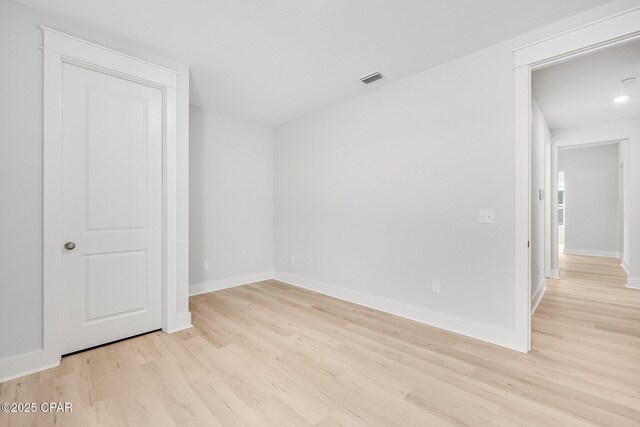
371	78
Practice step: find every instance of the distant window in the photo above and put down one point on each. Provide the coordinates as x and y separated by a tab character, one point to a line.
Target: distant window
561	199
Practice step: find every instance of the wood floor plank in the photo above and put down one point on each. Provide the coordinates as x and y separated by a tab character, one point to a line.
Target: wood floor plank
273	354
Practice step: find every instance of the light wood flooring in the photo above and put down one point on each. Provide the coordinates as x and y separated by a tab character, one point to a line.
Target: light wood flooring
272	354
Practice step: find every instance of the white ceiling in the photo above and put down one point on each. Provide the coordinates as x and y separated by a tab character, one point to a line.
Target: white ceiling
273	60
582	90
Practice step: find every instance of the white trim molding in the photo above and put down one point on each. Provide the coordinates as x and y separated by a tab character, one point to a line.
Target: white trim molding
468	327
589	252
603	33
625	266
180	321
472	328
60	48
633	283
25	364
606	32
228	282
522	210
68	46
535	301
554	273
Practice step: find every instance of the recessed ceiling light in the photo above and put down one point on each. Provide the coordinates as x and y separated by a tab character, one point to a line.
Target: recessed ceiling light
622	98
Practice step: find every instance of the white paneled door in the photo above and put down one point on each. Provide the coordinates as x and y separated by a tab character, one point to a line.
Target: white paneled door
111	207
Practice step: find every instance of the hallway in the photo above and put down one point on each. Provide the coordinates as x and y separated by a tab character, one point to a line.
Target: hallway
588	324
590	297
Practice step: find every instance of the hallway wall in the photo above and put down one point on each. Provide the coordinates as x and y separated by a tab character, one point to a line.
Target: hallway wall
540	137
591	200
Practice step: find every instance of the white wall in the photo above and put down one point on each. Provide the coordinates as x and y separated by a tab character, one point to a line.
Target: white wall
540	137
591	199
379	195
20	183
21	157
231	212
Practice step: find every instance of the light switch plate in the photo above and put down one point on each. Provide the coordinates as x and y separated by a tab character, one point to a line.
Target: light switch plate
486	216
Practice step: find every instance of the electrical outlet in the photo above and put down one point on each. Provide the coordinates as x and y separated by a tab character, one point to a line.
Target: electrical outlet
485	216
435	287
205	264
293	259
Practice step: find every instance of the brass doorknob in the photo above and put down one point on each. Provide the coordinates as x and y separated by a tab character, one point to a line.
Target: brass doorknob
69	246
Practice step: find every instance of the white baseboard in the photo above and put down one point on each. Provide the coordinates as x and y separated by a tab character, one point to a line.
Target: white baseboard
25	364
633	283
471	328
180	322
537	297
229	282
625	265
36	361
588	252
555	274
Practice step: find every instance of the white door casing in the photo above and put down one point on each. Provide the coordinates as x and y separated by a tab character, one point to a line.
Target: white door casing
61	50
111	208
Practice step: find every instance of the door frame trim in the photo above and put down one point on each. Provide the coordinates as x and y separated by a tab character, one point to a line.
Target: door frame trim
600	34
60	48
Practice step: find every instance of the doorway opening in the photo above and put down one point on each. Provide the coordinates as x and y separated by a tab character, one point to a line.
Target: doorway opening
585	130
535	203
578	116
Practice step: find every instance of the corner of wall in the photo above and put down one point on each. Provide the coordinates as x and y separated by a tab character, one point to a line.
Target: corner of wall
625	265
633	283
537	297
229	282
